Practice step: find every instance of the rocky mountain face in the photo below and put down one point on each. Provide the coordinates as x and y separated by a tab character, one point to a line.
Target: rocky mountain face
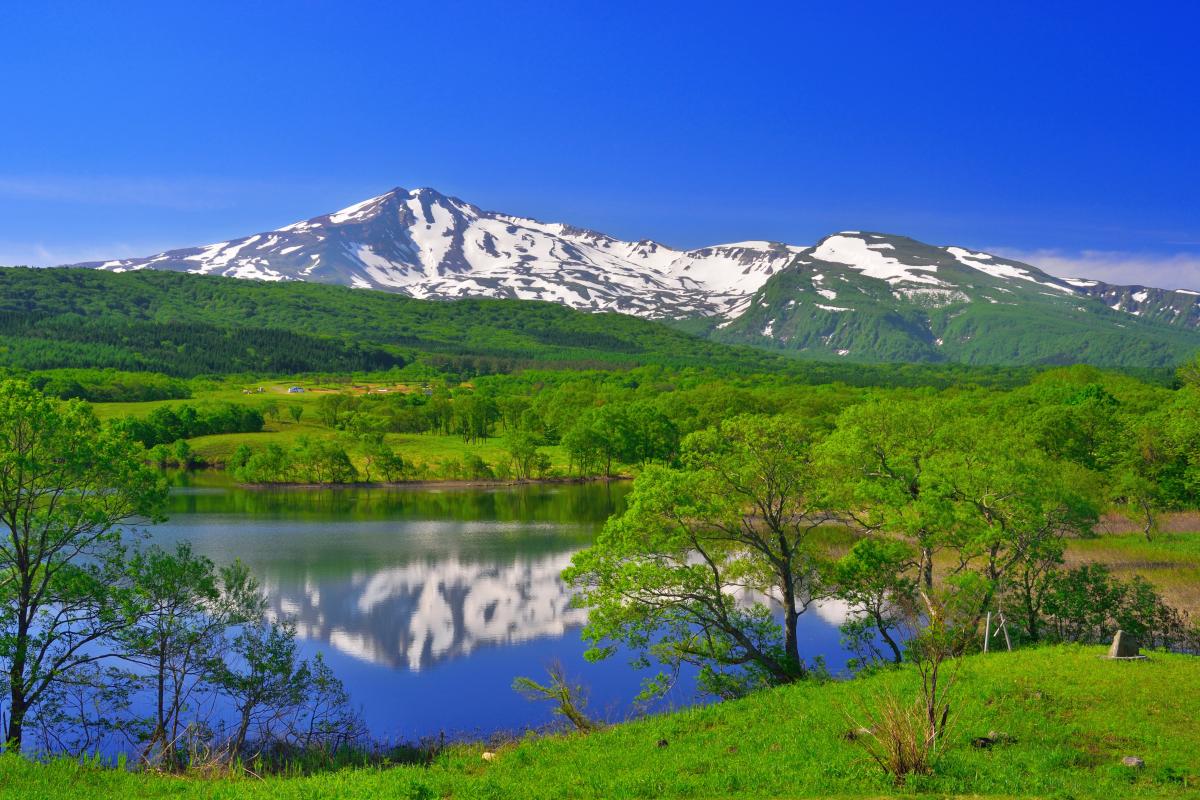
854	294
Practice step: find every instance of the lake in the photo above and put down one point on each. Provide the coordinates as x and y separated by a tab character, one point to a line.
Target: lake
428	602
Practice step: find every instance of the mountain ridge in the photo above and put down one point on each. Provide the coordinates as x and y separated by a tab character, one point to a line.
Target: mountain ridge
854	294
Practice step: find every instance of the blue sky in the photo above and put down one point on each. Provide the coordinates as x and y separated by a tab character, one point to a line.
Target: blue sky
1068	138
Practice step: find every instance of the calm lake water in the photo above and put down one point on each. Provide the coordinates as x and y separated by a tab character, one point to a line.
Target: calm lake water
428	602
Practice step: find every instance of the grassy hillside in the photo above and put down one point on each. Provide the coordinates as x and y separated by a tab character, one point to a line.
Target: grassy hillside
1072	715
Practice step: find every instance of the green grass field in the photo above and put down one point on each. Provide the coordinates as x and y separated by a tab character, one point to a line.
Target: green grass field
231	392
432	450
1073	716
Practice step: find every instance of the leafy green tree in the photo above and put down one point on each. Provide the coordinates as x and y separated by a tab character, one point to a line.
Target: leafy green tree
185	605
875	463
1011	509
183	454
511	409
1181	430
263	676
323	461
324	721
1089	604
477	469
525	459
159	455
596	438
474	414
1083	426
586	447
272	464
691	571
1189	372
569	698
240	456
648	435
67	486
270	409
873	580
331	408
167	425
380	460
296	411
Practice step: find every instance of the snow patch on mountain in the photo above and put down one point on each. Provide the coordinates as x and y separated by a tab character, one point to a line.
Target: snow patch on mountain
426	245
999	270
855	252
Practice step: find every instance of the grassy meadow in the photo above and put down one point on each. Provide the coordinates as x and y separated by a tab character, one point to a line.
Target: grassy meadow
432	450
1070	718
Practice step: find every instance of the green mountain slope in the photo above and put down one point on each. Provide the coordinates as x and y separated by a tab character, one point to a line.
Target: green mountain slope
874	297
184	324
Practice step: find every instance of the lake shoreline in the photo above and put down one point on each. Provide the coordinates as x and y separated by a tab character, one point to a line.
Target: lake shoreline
439	483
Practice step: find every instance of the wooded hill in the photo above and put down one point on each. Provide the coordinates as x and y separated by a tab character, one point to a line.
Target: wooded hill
185	325
182	324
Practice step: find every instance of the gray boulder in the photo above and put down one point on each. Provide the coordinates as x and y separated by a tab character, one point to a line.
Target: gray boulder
1124	646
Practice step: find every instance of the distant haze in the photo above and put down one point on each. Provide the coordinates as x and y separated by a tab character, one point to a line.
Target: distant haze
1165	271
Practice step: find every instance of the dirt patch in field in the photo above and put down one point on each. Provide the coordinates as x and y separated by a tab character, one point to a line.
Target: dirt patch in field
1174	522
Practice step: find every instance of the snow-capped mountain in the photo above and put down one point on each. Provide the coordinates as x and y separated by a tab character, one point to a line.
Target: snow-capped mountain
427	245
860	294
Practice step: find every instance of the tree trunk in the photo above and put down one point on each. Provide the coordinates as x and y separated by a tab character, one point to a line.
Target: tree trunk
790	642
1032	624
159	736
1148	513
243	727
18	702
16	720
897	656
927	567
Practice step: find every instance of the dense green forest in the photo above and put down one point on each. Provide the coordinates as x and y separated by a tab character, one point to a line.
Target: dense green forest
190	325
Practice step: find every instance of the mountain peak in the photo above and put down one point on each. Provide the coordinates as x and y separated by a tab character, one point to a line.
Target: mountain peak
424	244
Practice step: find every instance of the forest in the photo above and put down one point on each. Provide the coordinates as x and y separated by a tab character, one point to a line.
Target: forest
195	325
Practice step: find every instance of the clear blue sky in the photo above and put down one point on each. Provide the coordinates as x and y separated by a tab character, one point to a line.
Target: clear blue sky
1065	129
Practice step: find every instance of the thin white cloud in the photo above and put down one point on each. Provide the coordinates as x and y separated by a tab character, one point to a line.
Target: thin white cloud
1159	270
181	193
38	254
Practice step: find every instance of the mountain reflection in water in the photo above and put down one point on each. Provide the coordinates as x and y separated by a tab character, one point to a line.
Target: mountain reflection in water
429	602
416	614
403	578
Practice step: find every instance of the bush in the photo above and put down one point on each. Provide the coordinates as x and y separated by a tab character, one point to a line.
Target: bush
1089	604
